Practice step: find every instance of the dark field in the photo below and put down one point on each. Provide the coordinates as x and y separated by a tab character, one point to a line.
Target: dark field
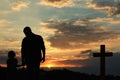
56	74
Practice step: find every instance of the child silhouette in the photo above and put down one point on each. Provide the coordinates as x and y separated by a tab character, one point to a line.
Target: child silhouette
12	61
12	66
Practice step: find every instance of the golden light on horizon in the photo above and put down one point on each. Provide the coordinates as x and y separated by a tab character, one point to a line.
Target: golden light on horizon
57	64
50	65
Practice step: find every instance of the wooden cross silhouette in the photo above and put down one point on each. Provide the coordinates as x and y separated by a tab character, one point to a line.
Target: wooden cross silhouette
102	56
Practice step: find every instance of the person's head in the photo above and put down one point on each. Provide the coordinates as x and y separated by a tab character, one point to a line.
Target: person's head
27	31
11	54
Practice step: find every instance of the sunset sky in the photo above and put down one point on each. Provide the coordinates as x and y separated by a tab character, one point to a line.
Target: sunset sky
72	30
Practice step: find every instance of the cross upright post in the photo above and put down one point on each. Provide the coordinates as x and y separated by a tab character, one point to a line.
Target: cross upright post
102	56
102	60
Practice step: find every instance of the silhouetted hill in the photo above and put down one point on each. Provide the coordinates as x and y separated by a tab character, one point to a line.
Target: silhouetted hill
57	74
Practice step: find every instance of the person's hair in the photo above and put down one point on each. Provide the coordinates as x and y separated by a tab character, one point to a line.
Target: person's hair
27	29
11	54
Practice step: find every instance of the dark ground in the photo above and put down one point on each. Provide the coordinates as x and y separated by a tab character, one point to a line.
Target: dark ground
63	74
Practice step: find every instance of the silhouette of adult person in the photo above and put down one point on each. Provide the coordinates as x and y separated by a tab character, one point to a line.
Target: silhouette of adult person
32	52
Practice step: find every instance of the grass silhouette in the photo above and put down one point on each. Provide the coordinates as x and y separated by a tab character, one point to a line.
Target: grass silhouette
56	74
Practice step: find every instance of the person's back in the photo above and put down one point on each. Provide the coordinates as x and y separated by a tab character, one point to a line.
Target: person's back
32	47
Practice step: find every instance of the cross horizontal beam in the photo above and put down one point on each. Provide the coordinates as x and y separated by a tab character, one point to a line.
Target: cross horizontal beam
108	54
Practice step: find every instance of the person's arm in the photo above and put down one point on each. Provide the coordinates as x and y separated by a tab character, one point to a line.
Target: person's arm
23	53
7	63
43	51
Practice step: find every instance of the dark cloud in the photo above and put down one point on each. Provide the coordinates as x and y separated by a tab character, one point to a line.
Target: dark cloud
112	7
77	33
83	55
71	62
92	65
86	52
116	11
54	0
88	64
3	56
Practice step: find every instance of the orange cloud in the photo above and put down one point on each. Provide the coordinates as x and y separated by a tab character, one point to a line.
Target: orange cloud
3	22
19	5
117	0
56	3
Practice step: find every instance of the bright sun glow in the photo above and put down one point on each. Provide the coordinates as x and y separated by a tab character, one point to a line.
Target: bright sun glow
50	65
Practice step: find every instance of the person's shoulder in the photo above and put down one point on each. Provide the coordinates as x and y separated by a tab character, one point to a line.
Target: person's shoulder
25	38
39	36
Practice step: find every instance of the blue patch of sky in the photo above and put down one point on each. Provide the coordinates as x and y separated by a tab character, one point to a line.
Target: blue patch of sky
46	12
69	13
115	27
82	13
